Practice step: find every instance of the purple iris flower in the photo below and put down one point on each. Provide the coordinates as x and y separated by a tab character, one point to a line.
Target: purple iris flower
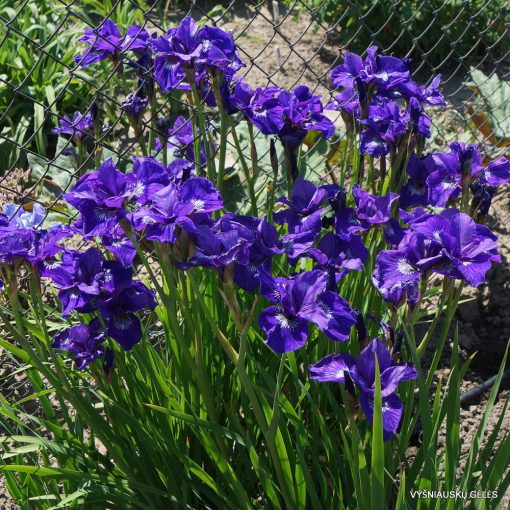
470	159
290	115
396	275
415	192
494	174
346	221
187	47
83	341
405	291
119	309
16	245
345	75
100	197
299	301
263	108
102	43
238	95
78	275
304	208
79	127
177	49
150	177
173	206
137	40
89	283
450	244
447	169
346	101
262	250
373	210
222	245
383	128
385	72
444	179
134	106
25	239
219	50
181	134
119	245
334	367
430	95
302	112
420	121
335	195
296	246
336	254
467	249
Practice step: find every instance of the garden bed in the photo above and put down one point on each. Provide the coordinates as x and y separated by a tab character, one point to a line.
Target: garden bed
222	346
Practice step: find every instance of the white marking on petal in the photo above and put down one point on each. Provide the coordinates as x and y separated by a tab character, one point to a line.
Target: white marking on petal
416	191
122	324
101	214
147	220
449	184
283	321
404	267
327	311
138	189
198	204
119	243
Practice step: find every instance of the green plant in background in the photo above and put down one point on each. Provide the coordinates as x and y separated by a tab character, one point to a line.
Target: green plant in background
437	31
490	112
34	74
36	57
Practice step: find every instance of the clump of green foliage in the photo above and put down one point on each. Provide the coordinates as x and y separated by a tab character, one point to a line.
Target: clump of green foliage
37	77
436	30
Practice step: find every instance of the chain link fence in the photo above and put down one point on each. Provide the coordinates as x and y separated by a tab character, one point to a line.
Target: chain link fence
283	43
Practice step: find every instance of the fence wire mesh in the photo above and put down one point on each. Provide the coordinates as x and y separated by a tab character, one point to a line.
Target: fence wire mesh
283	43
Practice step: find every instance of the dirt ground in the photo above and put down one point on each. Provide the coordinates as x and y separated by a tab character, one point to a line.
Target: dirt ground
299	51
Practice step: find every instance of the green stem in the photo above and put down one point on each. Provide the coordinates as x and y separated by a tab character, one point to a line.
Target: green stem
198	104
143	145
253	152
249	178
450	299
127	230
223	131
227	346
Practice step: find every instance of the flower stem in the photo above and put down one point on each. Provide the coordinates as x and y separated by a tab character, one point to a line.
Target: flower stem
249	178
